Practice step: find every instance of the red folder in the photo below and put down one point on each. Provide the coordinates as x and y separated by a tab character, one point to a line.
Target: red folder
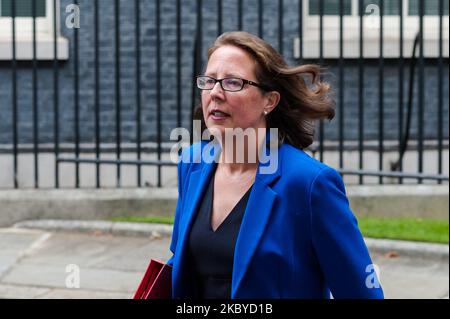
157	282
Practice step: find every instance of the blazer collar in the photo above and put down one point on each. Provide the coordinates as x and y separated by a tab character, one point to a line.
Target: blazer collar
256	216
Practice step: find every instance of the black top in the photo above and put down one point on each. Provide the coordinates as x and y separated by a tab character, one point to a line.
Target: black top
211	253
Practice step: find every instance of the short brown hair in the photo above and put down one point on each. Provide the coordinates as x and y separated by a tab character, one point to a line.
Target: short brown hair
299	104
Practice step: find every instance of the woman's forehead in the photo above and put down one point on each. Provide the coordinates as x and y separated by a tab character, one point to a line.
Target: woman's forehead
230	61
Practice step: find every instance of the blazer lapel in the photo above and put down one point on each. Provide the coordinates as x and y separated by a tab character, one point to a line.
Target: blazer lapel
256	217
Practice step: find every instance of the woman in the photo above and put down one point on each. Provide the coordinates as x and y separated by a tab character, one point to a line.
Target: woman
242	233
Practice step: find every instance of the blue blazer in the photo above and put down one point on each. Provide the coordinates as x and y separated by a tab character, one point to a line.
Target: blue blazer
298	237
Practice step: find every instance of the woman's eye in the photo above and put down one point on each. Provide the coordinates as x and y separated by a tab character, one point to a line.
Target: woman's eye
233	82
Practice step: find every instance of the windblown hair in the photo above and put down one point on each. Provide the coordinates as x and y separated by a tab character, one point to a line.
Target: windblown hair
300	105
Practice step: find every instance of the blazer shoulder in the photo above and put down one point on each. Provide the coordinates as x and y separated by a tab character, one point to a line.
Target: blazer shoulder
299	165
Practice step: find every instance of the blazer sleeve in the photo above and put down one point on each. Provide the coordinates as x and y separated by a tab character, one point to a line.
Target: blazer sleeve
338	243
178	212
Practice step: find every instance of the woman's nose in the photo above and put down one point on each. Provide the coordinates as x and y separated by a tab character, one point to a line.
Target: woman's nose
217	90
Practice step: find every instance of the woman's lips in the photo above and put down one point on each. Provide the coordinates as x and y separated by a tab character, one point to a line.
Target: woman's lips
218	115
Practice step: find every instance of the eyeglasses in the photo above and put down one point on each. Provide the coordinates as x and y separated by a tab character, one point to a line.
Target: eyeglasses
228	84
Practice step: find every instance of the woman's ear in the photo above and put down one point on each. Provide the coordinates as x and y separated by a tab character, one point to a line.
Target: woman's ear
272	98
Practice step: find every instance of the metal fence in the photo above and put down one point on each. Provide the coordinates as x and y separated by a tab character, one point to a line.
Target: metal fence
409	67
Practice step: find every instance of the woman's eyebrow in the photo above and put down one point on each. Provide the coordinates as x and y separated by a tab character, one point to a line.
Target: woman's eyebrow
233	75
227	75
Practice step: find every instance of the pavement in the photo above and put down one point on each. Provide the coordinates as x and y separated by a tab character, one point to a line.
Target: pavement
53	259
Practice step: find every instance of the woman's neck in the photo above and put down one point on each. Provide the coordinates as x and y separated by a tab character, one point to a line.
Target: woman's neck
240	154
